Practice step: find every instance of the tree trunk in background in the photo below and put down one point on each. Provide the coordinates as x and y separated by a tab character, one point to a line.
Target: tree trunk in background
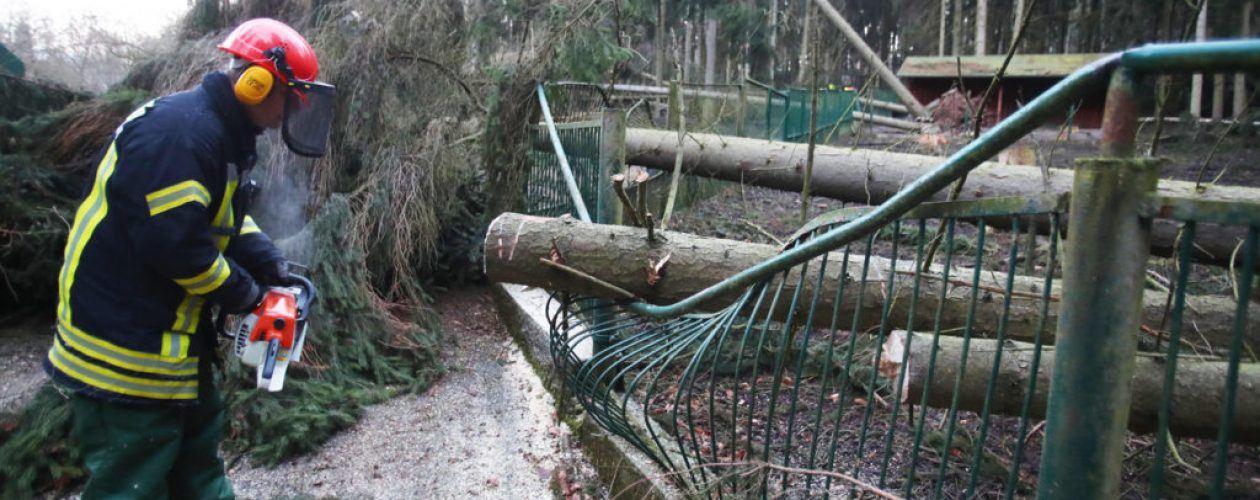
697	49
1240	79
958	27
516	244
1218	97
1018	18
1075	27
1196	81
872	177
1101	30
660	42
1197	393
940	44
982	26
685	60
805	60
710	50
773	30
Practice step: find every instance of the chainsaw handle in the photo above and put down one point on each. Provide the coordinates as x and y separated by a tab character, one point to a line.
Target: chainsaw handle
307	296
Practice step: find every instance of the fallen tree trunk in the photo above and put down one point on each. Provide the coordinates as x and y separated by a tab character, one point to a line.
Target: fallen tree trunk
1198	393
871	177
859	45
888	122
516	246
890	106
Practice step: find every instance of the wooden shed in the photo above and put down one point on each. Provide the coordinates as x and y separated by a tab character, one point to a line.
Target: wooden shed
1027	76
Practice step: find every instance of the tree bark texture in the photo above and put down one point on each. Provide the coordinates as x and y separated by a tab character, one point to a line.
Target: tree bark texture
1218	97
1198	392
957	21
660	41
1196	81
710	50
1240	79
1018	20
871	177
620	256
982	26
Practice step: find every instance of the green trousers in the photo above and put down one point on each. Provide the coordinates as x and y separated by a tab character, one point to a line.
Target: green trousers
137	451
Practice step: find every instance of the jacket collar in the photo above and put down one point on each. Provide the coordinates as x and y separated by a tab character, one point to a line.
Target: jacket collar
242	134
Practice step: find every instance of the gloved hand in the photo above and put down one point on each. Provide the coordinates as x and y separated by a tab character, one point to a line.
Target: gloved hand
274	273
246	302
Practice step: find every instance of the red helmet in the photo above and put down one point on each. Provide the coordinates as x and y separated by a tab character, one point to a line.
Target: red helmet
255	41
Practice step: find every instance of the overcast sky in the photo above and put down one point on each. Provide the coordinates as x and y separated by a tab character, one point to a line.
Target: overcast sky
143	17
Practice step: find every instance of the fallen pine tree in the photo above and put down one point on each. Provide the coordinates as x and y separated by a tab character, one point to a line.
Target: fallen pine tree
871	177
1197	397
525	249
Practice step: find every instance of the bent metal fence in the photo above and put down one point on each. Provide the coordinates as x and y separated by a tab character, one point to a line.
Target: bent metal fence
912	350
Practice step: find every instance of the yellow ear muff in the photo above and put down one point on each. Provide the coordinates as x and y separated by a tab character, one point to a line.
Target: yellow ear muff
254	85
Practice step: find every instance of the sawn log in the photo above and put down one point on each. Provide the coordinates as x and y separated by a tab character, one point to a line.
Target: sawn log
871	177
1197	399
516	245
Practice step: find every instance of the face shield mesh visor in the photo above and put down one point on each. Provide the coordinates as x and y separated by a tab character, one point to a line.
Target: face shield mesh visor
308	117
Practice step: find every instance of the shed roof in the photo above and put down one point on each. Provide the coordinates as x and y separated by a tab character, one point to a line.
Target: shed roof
1022	65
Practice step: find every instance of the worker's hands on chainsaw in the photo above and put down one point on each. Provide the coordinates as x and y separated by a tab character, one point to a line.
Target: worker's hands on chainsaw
274	273
246	302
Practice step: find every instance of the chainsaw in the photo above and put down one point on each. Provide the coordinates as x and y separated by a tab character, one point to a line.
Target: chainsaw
272	335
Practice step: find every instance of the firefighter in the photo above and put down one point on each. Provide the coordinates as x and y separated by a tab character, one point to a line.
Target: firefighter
160	241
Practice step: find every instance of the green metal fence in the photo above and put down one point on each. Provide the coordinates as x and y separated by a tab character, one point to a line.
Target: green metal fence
835	108
912	350
545	192
807	370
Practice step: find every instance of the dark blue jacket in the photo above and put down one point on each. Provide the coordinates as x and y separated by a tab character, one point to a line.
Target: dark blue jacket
157	240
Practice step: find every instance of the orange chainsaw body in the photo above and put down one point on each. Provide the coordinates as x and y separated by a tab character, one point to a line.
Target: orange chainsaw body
277	318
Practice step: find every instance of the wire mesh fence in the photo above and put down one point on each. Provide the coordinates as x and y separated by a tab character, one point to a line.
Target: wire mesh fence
545	191
887	366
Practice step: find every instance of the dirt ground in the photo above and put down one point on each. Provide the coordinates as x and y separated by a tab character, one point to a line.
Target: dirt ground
22	350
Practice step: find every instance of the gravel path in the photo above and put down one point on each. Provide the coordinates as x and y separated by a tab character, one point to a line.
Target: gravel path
486	430
22	351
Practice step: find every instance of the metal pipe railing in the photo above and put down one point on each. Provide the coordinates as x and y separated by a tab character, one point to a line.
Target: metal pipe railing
569	180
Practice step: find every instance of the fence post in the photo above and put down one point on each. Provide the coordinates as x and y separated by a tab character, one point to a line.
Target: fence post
1100	310
741	114
612	159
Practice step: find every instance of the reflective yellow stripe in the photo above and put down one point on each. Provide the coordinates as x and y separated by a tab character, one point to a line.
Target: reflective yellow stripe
123	357
170	197
208	280
88	216
103	378
224	218
175	344
188	314
249	226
